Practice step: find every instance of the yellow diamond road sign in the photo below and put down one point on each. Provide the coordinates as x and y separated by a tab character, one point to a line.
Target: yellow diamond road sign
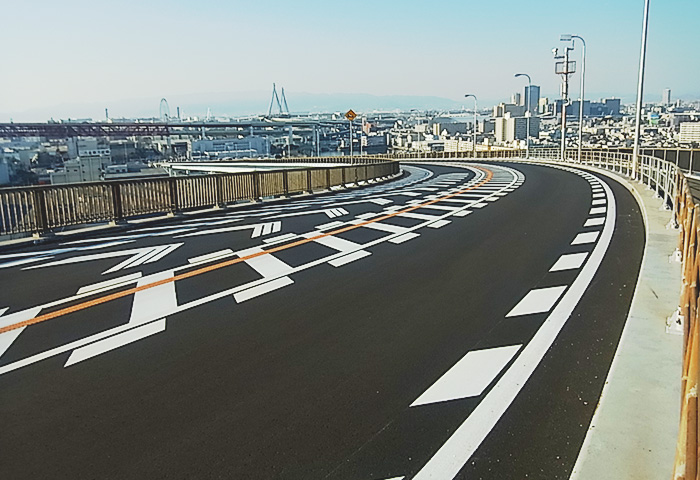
351	115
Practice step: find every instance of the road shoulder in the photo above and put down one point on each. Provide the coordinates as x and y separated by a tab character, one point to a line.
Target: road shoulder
634	430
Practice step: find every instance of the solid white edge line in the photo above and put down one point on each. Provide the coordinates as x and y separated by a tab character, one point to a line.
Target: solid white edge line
458	449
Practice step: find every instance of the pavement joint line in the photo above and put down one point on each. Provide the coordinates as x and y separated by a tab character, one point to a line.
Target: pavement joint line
124	293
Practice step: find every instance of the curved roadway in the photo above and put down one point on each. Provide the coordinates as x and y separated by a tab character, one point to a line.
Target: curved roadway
456	323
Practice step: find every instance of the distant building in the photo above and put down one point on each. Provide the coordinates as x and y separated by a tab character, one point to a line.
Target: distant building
450	128
252	146
487	126
509	128
690	132
86	169
501	109
516	99
532	98
666	97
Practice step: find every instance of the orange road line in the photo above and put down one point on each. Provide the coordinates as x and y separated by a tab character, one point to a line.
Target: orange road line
124	293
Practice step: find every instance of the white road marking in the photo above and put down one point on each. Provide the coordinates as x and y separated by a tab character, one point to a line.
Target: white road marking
458	449
7	338
599	195
386	227
537	300
136	257
597	210
280	238
599	201
583	238
258	290
594	222
115	341
380	201
329	226
210	256
417	216
403	238
256	228
23	261
266	229
479	205
439	224
109	284
470	376
435	206
163	253
155	302
395	238
569	261
368	215
266	265
462	213
351	257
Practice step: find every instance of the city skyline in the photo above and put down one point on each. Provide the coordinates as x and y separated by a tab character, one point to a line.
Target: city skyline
99	55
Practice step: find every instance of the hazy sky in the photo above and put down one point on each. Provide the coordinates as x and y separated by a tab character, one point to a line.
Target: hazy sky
60	53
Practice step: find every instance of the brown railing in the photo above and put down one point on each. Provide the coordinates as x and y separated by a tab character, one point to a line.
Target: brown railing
43	209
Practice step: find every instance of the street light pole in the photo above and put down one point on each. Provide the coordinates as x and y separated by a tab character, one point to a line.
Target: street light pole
528	101
564	68
565	38
475	109
640	91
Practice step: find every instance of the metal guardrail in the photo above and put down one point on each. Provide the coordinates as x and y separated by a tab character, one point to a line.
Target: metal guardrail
42	209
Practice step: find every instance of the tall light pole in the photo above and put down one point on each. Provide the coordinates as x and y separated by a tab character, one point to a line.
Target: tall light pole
564	68
640	91
566	38
528	101
475	109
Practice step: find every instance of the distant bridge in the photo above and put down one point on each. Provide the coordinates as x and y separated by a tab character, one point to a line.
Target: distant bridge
144	129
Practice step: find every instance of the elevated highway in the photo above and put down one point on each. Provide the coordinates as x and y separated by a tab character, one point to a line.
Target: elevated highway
457	322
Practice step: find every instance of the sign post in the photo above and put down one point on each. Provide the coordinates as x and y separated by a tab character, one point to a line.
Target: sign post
350	115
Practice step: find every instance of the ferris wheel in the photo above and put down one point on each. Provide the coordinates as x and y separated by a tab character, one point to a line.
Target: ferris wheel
164	110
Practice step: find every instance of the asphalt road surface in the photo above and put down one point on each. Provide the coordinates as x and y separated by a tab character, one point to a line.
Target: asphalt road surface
458	322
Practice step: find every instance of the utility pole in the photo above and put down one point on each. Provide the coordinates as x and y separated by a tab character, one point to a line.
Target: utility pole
565	68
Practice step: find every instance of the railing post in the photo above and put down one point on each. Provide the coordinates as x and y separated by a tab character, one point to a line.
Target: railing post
342	169
219	191
308	181
328	178
41	219
256	187
117	207
285	182
172	188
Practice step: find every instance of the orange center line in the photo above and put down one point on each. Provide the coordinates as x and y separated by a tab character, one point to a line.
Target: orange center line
216	266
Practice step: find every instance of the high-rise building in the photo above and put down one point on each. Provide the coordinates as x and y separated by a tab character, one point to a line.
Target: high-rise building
532	98
515	99
666	97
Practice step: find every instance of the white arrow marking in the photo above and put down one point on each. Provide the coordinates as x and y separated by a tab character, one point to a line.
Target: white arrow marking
137	256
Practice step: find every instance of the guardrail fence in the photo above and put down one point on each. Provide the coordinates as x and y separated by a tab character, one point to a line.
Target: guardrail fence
43	209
